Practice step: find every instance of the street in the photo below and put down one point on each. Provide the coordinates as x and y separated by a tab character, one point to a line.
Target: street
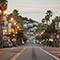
25	52
29	30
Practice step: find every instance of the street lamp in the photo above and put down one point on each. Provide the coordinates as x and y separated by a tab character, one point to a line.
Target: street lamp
4	12
15	23
12	19
17	26
14	35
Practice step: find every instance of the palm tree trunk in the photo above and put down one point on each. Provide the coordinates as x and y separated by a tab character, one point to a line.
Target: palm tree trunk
1	31
47	22
49	19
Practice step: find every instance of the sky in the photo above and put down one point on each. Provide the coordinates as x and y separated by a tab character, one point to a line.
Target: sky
34	9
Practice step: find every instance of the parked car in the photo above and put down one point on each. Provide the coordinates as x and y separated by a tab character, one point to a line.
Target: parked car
7	44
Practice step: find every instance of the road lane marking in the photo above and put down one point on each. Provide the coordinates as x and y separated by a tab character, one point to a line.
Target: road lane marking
17	54
49	54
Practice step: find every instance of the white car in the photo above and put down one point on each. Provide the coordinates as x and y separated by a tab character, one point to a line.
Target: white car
7	44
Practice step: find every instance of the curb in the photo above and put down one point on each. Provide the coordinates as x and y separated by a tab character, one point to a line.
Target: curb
49	54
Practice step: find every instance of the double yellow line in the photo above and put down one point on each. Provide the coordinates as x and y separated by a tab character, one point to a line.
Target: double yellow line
17	54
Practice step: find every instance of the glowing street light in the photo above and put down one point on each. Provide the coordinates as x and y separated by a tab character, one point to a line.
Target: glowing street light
5	12
15	23
41	33
13	34
17	26
12	19
0	11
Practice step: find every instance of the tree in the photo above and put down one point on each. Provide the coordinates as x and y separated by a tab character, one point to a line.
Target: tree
17	17
42	27
19	20
38	37
19	36
3	7
49	14
47	18
43	20
45	36
15	13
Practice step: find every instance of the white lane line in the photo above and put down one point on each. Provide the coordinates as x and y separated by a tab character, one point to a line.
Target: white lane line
49	54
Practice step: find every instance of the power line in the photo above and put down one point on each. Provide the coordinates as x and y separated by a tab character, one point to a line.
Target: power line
56	8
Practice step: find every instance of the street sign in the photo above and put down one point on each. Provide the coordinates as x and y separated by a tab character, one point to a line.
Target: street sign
57	25
57	28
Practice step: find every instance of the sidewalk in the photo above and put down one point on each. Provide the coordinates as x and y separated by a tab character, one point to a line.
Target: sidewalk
52	50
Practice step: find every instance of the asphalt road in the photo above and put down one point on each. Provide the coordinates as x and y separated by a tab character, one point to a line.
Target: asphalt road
25	52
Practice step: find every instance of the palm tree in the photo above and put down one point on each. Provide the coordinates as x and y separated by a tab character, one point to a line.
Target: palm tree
19	20
15	13
47	18
49	13
3	7
43	20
